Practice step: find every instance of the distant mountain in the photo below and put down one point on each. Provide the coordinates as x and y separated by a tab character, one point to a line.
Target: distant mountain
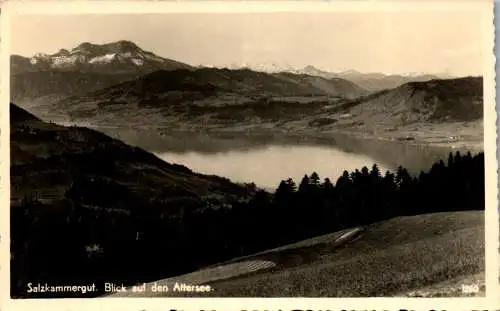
369	81
87	67
116	57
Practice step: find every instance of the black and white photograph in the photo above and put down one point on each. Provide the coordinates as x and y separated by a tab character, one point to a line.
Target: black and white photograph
279	153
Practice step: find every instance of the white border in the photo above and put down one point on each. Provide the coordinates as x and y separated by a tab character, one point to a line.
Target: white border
490	302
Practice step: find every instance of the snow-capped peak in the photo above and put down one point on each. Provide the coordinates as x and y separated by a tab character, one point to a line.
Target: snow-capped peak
106	58
115	57
261	67
119	52
412	74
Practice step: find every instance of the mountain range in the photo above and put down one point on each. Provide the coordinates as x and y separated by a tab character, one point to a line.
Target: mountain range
369	81
106	84
89	67
372	81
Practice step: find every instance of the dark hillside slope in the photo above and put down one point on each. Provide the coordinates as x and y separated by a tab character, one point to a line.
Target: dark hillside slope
240	81
222	95
43	149
73	188
455	99
431	101
19	115
164	88
28	85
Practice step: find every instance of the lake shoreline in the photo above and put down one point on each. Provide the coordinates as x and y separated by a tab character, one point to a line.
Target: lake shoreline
462	136
423	138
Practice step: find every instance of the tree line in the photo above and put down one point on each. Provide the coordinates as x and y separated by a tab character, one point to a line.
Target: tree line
73	242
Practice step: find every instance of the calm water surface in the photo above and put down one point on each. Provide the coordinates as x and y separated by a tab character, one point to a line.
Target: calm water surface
269	165
266	160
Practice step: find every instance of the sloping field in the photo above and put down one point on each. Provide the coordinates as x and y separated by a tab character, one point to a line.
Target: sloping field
333	239
244	266
398	257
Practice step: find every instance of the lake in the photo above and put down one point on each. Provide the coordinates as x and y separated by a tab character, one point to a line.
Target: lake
266	159
269	165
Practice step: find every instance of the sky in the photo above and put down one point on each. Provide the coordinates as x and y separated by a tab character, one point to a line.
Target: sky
388	42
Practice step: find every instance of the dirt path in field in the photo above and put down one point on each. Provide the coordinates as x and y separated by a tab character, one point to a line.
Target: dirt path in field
278	258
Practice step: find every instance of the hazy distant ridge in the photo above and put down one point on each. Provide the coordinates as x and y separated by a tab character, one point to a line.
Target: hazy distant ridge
372	81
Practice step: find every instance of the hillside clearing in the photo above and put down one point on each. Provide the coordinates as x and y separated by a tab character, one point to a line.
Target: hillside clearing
394	257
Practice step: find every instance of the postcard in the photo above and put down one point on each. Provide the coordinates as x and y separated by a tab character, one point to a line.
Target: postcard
328	155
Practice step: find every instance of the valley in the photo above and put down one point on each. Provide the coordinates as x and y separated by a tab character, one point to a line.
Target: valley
419	113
